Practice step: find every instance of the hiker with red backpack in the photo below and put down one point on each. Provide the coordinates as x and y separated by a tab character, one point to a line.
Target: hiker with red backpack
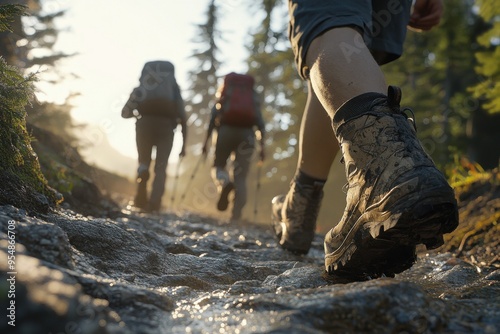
235	115
158	106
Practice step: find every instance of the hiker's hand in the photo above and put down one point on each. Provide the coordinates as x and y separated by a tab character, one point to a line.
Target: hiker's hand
262	155
426	14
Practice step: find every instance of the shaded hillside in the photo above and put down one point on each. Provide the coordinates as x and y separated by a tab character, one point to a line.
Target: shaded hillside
22	183
86	189
97	151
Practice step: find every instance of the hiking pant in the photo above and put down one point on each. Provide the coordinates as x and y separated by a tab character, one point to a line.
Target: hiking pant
241	143
381	22
155	131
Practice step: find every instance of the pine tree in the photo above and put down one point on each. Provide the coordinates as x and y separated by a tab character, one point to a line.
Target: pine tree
271	62
8	14
23	184
30	45
37	31
489	57
200	96
204	78
434	73
11	31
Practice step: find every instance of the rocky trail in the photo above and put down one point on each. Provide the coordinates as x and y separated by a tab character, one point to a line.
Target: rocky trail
186	273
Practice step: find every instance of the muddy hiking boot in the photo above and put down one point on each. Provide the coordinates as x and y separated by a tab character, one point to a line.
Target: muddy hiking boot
294	216
396	197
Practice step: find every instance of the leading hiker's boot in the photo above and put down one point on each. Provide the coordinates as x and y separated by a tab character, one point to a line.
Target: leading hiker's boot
294	216
396	196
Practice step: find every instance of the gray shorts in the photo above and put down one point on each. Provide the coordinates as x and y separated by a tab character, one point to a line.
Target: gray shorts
382	22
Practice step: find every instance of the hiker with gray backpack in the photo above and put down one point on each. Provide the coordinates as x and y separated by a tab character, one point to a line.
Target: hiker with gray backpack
158	107
236	116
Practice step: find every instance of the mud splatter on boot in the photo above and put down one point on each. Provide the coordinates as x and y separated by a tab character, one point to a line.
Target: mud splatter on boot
294	216
396	196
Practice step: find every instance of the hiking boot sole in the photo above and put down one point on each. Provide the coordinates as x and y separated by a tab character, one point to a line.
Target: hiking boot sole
369	242
223	202
391	259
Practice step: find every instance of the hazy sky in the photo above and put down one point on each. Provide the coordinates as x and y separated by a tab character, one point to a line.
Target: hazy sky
114	38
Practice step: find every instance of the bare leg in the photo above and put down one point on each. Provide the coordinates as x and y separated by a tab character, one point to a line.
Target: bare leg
317	143
295	214
342	67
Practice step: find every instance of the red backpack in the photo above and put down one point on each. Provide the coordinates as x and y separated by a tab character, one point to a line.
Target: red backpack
236	104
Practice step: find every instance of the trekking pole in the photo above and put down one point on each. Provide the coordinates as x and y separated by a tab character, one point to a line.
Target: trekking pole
176	179
259	168
195	170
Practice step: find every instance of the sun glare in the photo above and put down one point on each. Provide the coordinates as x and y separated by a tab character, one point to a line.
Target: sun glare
113	43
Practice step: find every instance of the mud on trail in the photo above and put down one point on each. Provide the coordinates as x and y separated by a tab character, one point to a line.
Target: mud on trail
186	273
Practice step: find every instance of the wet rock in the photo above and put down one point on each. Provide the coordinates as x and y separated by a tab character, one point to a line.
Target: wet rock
43	240
297	278
494	276
48	300
122	294
80	185
165	273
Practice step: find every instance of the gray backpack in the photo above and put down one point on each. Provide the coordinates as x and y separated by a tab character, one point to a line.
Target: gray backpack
157	94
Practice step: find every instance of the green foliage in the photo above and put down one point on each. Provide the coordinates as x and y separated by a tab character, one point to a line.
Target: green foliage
43	38
488	58
283	92
200	94
8	13
37	33
40	41
464	172
15	90
204	78
434	72
23	184
19	166
59	177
